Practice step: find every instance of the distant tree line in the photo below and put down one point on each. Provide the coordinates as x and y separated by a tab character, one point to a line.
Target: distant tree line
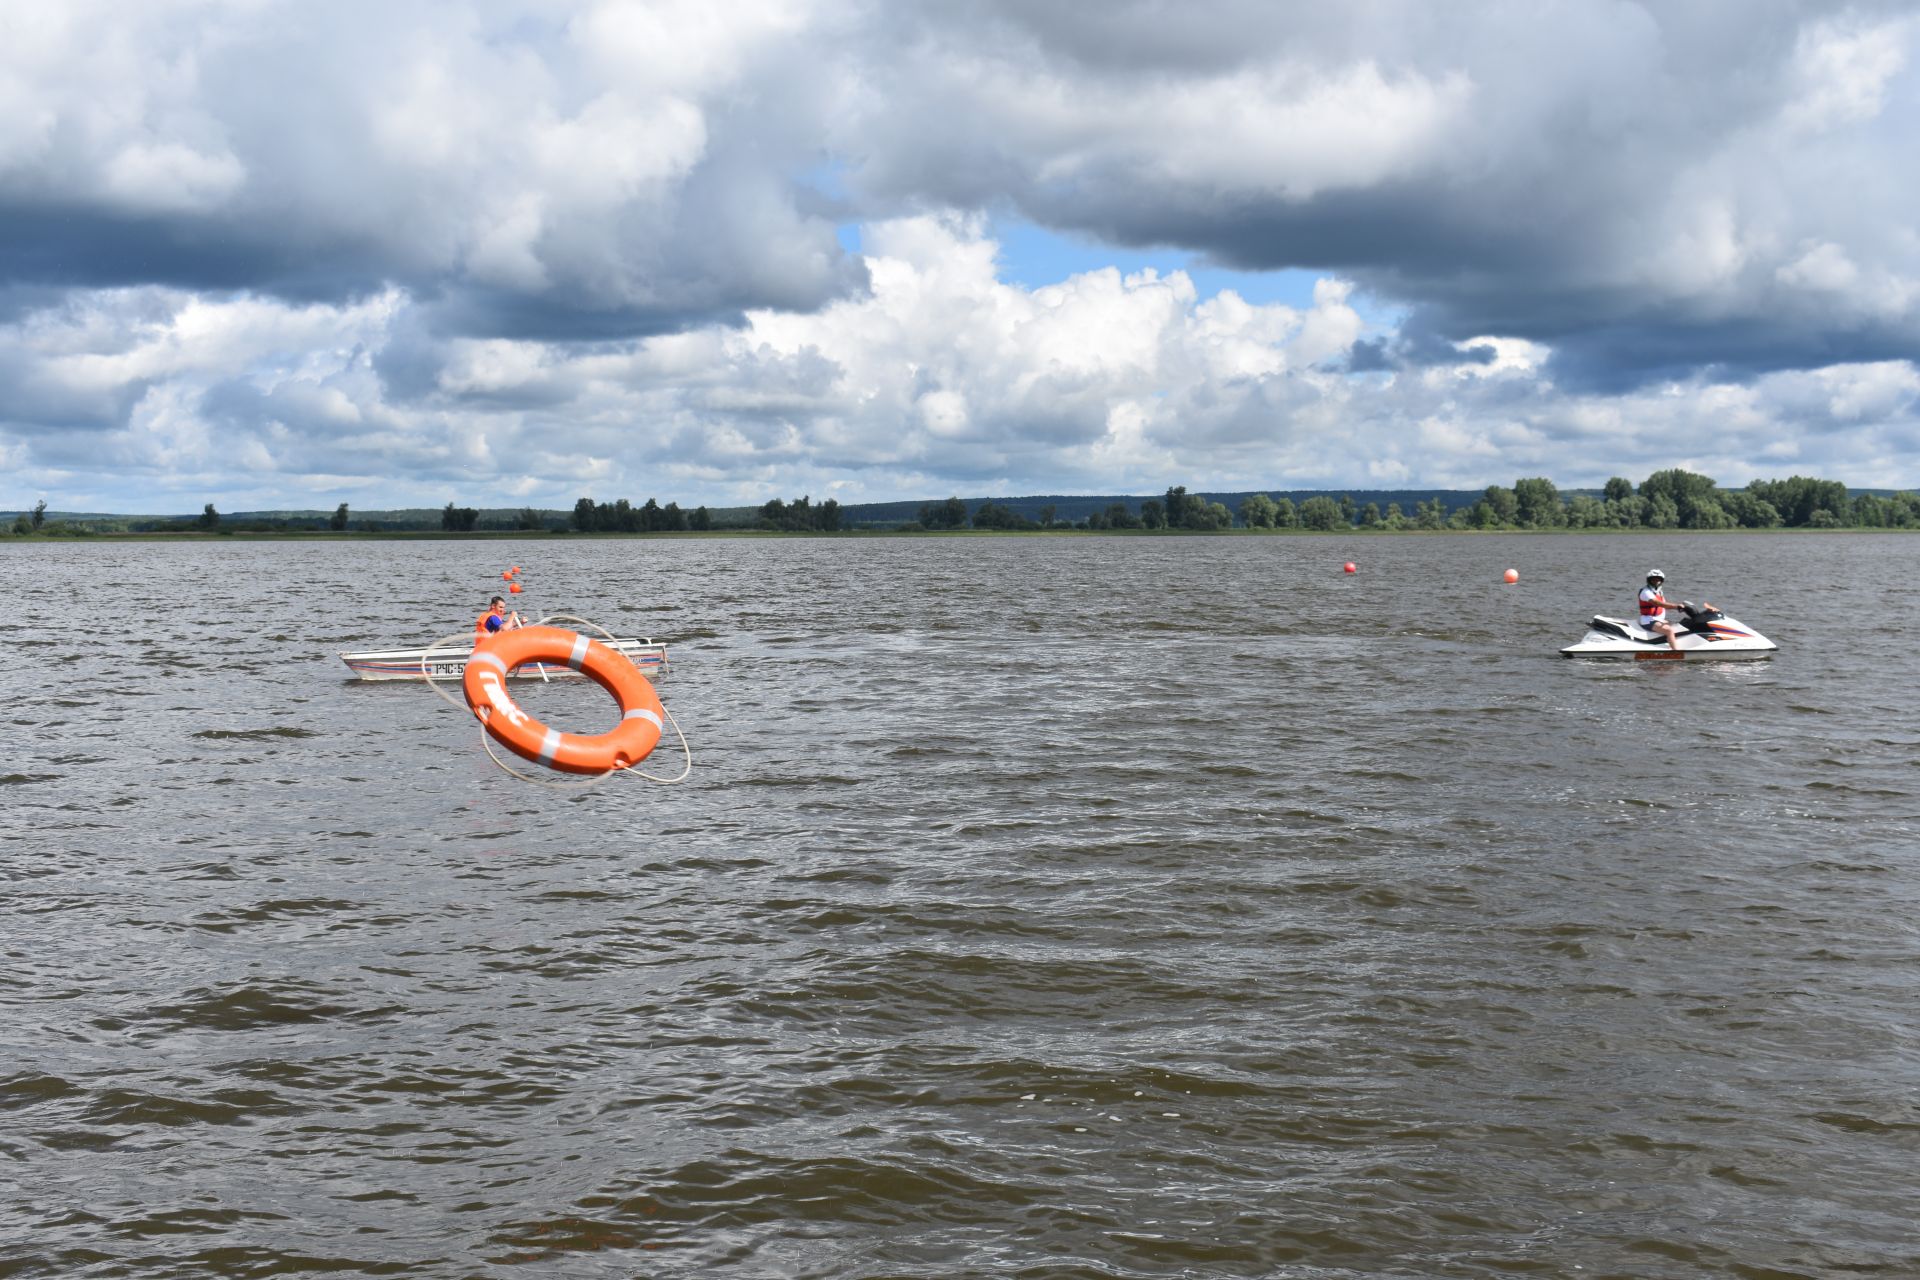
1179	510
952	514
623	517
451	518
1670	499
801	516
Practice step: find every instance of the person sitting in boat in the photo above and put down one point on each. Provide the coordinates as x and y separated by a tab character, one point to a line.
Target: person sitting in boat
496	618
1654	606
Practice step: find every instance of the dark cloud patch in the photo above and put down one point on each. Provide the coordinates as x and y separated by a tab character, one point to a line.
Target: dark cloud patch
43	411
76	246
1128	37
553	317
20	300
408	364
1625	357
1371	355
47	251
1416	228
1417	344
37	400
526	179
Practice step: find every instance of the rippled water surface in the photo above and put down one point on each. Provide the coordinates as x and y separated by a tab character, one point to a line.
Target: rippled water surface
1036	907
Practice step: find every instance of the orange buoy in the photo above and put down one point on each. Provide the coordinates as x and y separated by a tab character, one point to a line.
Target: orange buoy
1350	568
513	588
625	745
507	576
1513	575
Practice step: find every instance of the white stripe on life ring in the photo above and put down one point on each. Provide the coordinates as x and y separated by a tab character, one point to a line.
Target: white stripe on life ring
642	713
549	745
579	654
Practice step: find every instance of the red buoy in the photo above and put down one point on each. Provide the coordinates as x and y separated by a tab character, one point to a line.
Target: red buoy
1513	575
1350	568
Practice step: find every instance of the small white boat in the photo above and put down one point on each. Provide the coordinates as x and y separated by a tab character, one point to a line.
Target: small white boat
1704	633
451	664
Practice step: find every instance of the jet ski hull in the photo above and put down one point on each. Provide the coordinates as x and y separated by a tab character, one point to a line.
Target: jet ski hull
1717	637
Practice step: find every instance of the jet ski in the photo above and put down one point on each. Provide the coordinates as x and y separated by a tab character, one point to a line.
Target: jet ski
1703	632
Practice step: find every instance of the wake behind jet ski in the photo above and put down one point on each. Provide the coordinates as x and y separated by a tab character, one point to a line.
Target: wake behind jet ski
1702	631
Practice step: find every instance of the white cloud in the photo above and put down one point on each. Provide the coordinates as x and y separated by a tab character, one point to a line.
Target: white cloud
1840	72
1884	391
602	165
513	249
1295	129
1823	267
1508	356
169	177
944	379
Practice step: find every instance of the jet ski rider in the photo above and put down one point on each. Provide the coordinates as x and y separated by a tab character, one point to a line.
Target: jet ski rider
1653	609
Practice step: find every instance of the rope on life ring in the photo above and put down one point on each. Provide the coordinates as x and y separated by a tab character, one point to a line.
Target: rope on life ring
686	752
594	757
642	718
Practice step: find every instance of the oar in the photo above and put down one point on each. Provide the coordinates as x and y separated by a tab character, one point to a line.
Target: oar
540	666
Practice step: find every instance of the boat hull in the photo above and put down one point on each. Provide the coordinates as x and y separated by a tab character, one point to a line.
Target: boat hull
1722	640
451	664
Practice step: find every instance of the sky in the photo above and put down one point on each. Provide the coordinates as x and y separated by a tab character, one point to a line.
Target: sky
275	254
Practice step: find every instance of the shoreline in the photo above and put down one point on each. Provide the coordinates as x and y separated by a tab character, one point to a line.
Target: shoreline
497	535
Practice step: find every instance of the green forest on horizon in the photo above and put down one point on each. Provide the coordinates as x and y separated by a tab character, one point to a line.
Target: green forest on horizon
1668	499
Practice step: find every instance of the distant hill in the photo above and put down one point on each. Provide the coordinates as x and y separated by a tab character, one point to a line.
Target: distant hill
1076	507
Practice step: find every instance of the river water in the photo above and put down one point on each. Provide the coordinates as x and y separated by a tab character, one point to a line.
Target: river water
1039	907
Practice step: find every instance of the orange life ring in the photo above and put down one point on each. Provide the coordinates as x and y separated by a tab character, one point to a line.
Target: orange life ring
626	745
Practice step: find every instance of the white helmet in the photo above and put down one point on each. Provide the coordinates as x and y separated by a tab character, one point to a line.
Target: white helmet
1654	575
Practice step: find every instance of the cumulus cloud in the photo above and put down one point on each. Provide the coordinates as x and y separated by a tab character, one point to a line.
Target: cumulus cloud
1841	69
620	169
942	378
262	248
1551	173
